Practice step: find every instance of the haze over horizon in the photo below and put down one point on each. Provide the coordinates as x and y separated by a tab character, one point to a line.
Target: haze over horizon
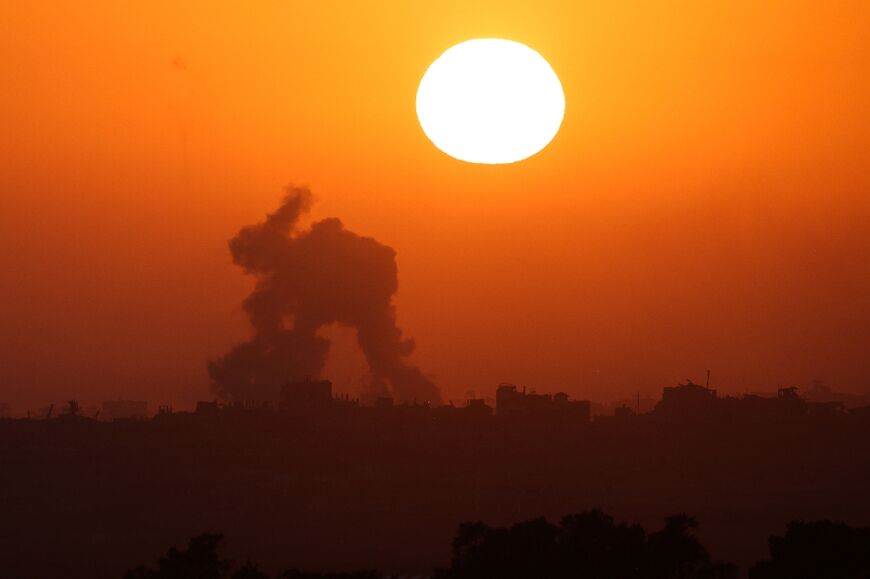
705	204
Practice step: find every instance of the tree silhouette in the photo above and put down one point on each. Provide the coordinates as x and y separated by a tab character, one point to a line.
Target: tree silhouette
593	542
588	544
675	551
585	545
524	550
817	550
199	561
249	571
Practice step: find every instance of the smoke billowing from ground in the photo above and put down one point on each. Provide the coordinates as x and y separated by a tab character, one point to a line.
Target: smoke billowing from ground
307	280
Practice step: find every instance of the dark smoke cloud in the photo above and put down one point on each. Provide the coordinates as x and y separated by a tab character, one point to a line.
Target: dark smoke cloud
307	280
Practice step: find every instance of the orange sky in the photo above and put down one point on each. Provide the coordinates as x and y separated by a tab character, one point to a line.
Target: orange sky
705	204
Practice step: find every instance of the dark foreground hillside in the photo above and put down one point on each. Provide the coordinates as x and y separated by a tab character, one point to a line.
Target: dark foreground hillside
376	489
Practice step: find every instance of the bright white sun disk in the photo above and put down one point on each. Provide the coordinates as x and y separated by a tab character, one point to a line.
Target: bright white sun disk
490	101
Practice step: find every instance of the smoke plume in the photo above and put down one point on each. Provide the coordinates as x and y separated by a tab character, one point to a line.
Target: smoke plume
307	280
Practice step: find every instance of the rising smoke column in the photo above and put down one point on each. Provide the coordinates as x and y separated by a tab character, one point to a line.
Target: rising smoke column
307	280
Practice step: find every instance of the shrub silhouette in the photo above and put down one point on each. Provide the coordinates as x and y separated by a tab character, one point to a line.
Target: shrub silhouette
201	561
817	550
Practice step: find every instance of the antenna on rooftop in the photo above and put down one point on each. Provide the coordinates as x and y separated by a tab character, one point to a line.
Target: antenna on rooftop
708	378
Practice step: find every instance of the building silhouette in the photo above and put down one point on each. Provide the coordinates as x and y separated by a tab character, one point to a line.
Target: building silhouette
514	404
686	400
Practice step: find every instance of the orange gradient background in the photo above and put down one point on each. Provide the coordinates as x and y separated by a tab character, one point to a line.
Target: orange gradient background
705	205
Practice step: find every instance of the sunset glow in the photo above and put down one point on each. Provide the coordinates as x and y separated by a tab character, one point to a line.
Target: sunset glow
704	203
454	289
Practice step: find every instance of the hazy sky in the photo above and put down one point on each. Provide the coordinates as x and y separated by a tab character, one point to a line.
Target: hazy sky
705	205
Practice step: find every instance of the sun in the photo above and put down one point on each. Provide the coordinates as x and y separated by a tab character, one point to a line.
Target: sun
490	100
